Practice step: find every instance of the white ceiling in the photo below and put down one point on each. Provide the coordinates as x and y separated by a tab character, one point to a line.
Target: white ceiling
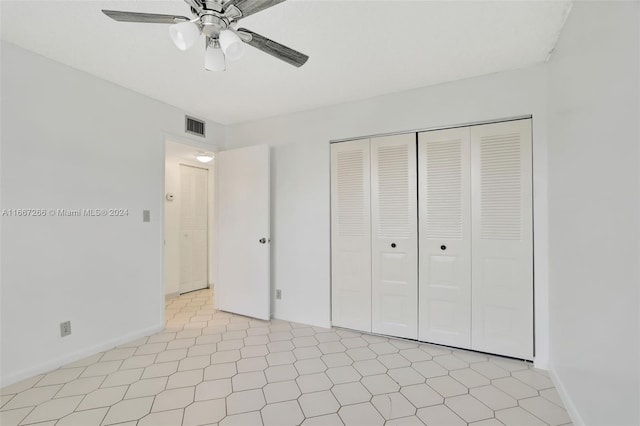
186	154
358	49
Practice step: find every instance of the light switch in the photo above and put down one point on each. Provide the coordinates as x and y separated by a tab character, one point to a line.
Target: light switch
146	215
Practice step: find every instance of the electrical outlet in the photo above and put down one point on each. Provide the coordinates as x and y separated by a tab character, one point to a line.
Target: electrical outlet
65	328
278	294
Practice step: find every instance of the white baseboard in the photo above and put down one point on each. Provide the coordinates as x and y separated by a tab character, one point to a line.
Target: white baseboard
576	419
541	363
321	324
76	356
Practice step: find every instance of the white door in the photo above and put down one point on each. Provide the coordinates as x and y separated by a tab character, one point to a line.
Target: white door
242	284
193	228
394	281
350	235
445	237
502	246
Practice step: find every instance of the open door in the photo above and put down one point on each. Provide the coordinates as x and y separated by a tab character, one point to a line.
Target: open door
242	284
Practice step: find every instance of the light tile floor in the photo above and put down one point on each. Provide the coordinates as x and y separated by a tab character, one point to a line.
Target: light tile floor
211	367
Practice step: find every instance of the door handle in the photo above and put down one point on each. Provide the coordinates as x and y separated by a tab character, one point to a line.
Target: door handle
262	240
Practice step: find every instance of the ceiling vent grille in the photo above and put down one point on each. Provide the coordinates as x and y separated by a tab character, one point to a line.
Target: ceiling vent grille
193	126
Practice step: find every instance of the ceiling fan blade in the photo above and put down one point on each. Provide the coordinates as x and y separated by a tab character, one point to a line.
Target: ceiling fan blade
249	7
147	18
274	49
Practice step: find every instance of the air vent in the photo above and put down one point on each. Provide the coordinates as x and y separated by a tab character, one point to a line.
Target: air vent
193	126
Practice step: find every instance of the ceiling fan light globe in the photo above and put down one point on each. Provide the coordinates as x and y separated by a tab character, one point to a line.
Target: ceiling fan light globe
214	59
231	45
184	34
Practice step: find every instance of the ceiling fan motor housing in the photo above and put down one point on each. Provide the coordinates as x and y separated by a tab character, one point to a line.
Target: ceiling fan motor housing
212	25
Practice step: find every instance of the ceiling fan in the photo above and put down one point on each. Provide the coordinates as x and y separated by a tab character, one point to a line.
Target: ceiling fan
216	20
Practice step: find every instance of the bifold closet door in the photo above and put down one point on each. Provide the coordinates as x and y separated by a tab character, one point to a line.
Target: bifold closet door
502	247
351	235
394	281
445	237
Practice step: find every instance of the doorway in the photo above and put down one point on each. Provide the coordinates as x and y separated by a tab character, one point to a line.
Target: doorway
188	220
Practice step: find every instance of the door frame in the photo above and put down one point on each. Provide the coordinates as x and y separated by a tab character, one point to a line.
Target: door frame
196	145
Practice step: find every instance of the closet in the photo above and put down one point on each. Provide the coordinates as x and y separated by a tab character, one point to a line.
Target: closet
432	237
374	235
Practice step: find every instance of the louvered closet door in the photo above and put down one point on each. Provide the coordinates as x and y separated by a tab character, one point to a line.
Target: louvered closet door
394	286
351	235
502	268
445	237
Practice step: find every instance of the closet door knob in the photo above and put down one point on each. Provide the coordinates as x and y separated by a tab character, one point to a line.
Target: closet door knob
393	245
443	247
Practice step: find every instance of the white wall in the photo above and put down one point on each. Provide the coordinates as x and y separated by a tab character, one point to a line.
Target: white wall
594	213
300	175
70	140
176	154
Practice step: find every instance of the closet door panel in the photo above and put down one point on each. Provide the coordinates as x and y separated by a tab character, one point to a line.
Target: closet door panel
351	235
445	237
502	267
394	236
